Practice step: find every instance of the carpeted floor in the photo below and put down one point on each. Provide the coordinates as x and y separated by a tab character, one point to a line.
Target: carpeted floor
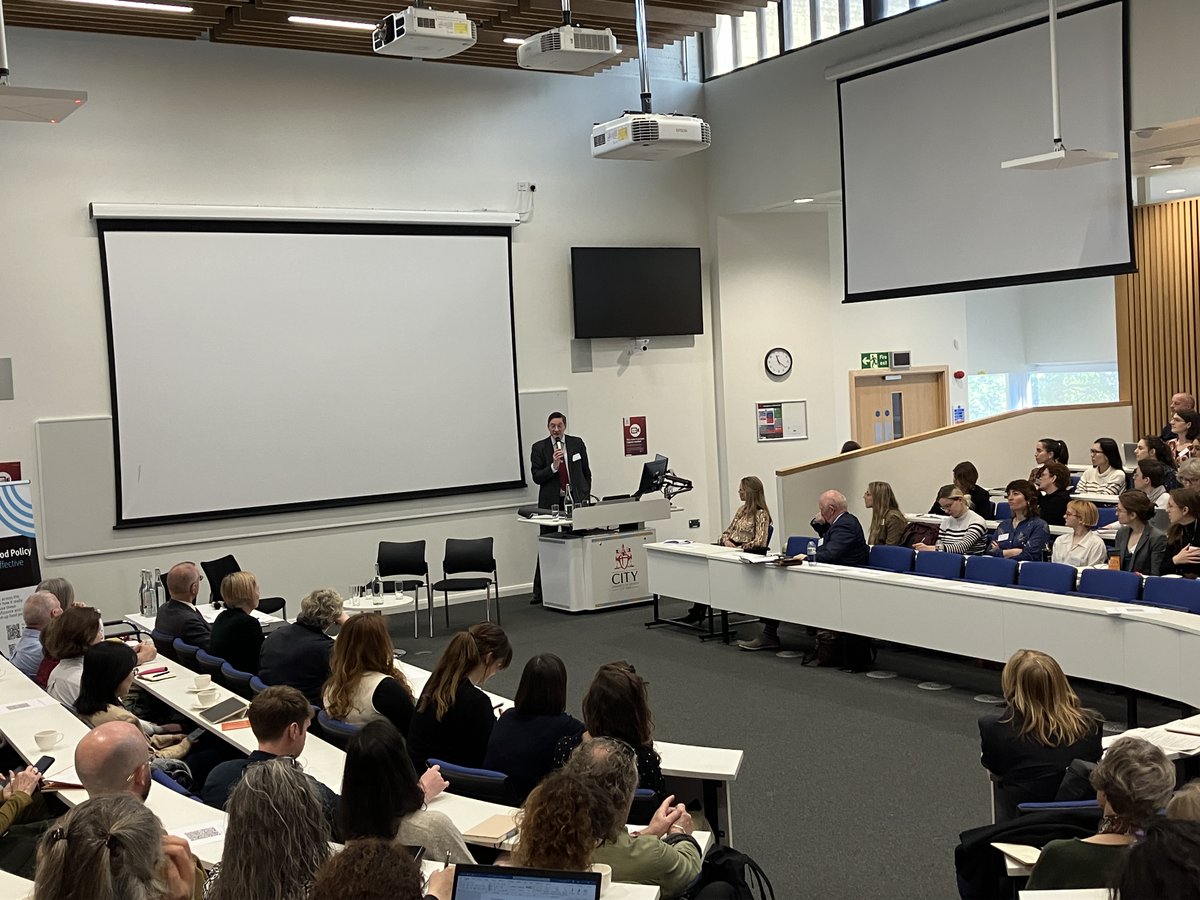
853	788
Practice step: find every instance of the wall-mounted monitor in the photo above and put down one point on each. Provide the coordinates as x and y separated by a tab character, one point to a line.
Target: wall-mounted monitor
625	292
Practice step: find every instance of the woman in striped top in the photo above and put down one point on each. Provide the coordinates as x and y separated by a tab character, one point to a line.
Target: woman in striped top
964	531
1106	474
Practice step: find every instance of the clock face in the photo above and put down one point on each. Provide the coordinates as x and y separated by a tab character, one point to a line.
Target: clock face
778	361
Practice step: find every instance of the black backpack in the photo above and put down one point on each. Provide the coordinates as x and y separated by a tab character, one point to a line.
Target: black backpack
729	873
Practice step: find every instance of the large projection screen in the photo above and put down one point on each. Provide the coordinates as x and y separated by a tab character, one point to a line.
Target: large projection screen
928	208
265	367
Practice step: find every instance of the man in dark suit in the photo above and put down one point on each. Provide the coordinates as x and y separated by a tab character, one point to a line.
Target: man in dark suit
559	463
178	617
842	543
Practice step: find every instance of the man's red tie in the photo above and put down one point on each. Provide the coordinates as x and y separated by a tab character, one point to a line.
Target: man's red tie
562	474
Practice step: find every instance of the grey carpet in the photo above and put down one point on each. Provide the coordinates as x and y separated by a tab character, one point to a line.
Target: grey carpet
852	788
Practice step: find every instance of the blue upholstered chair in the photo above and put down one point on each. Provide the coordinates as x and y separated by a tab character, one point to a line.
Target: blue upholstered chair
937	564
891	559
164	644
336	731
186	654
991	570
481	784
237	681
210	664
1174	593
1003	512
257	685
1110	584
1054	578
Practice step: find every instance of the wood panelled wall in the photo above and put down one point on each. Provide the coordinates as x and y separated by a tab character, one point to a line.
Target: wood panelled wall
1158	312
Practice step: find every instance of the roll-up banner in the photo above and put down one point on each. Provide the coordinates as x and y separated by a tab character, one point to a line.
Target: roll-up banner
19	568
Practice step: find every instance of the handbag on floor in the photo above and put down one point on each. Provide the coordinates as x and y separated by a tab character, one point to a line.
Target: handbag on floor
729	874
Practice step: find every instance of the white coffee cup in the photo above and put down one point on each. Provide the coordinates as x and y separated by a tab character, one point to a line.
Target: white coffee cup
605	872
202	682
46	740
208	696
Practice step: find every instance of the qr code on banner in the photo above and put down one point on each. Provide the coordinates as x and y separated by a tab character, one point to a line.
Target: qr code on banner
12	631
202	834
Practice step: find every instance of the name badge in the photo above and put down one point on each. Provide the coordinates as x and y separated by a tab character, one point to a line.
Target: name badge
576	458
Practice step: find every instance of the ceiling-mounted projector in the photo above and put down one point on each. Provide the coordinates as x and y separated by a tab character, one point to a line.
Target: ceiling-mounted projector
1059	158
423	33
650	136
567	48
22	104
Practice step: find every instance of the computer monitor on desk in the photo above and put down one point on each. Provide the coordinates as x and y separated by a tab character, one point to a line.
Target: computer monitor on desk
653	475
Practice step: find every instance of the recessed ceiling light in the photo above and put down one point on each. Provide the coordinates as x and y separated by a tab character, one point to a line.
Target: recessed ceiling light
517	41
1177	191
331	23
1161	165
804	199
136	4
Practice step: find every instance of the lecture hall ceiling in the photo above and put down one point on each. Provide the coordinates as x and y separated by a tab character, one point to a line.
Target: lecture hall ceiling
265	22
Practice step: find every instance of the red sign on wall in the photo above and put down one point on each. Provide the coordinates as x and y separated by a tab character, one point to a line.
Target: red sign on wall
635	436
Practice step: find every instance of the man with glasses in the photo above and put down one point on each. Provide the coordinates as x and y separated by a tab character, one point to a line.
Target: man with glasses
178	617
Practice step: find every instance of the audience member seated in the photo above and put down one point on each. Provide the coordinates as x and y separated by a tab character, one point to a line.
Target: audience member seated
279	718
1162	864
60	588
1054	481
1025	535
664	853
547	841
373	869
1106	474
523	742
617	705
39	609
1028	745
749	530
1153	447
1189	474
1082	547
1185	428
111	760
178	617
383	798
67	638
297	654
1046	451
841	543
236	635
276	839
887	519
1148	477
1139	545
963	531
966	479
16	800
1178	402
113	848
453	720
109	668
1133	781
364	682
1185	804
1182	553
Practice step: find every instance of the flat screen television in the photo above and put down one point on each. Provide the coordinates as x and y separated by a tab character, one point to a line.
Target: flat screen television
626	292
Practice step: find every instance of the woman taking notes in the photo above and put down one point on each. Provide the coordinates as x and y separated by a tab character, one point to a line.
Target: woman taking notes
887	521
1024	536
1139	546
964	530
1082	547
1106	474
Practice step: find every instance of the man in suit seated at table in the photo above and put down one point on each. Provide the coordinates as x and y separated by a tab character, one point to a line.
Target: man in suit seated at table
842	543
279	718
178	617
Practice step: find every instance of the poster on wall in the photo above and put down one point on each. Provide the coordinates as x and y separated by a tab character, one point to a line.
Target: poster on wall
784	420
10	471
20	571
635	436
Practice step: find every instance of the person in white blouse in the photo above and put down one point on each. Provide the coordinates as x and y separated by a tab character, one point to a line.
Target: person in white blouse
1106	474
1082	547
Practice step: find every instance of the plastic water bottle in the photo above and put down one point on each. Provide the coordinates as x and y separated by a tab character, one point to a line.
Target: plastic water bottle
811	559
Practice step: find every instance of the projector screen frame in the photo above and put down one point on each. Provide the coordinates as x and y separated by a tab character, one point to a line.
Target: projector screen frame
105	225
1011	280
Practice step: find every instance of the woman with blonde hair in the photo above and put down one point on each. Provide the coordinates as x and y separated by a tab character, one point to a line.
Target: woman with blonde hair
1028	745
454	718
364	682
1082	547
887	520
1133	783
236	635
750	530
964	530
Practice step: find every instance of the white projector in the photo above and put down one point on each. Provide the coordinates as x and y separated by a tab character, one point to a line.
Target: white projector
423	33
649	136
20	104
567	48
1059	158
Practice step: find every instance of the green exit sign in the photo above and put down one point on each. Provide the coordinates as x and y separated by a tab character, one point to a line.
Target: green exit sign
876	360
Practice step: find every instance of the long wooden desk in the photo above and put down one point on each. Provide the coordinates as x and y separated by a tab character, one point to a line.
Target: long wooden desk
1142	648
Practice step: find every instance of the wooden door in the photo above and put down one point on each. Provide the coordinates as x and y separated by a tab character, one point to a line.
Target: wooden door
887	404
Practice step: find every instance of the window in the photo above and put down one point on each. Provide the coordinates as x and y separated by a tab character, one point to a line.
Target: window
768	29
747	39
797	23
1061	386
884	9
719	46
987	395
829	17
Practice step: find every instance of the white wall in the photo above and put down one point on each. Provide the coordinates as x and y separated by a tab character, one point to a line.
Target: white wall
201	123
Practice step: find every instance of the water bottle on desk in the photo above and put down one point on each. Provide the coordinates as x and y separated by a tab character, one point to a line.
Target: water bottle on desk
377	591
811	557
158	590
146	595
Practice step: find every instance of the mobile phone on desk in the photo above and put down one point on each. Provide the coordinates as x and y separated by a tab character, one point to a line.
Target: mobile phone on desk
44	763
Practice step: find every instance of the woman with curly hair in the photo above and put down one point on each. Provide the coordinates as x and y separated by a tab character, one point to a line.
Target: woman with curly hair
277	837
553	820
375	869
364	682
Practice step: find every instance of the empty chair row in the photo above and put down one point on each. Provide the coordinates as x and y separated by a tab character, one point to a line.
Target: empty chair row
471	562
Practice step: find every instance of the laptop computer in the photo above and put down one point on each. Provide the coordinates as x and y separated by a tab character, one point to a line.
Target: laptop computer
510	883
1130	450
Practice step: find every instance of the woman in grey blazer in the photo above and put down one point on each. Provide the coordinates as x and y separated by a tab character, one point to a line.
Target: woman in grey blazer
1134	512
